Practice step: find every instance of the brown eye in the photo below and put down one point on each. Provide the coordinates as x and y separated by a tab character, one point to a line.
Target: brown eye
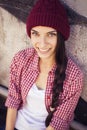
52	34
34	33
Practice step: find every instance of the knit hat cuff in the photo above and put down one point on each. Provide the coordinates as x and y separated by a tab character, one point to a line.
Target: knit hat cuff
49	20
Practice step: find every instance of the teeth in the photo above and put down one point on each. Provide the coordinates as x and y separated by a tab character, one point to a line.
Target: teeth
43	50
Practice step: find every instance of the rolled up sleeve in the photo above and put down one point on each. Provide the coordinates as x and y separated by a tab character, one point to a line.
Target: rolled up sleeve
14	94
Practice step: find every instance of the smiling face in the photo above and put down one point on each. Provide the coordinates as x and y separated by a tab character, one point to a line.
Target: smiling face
44	40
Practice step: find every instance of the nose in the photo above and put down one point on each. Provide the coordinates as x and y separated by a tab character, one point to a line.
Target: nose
42	41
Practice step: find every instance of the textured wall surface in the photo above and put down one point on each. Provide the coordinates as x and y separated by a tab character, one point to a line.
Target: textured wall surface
77	49
12	39
80	6
13	34
77	44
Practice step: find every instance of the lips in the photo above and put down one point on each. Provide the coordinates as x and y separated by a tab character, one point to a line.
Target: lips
43	51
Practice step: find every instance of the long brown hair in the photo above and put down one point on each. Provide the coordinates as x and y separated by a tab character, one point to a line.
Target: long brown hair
61	62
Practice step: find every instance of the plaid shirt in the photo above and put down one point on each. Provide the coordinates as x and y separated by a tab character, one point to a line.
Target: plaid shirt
23	74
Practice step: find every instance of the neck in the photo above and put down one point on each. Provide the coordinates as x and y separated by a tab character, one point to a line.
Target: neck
46	65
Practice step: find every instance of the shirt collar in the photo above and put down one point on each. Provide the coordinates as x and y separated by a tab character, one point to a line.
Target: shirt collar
53	69
35	63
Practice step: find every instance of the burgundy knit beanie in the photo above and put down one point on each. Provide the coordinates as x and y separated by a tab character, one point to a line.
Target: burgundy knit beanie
49	13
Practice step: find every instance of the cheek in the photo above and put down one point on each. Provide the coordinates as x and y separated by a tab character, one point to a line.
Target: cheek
34	43
53	42
34	39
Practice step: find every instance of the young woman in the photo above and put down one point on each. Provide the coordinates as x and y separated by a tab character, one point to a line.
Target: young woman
45	84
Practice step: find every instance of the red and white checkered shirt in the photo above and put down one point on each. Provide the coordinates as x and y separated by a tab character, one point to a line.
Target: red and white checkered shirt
23	74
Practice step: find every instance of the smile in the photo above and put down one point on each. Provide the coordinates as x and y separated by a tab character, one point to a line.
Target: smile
44	50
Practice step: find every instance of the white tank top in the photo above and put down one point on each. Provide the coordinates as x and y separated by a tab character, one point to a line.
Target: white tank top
32	116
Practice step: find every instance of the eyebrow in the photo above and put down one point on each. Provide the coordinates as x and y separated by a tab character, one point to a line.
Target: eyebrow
34	30
47	32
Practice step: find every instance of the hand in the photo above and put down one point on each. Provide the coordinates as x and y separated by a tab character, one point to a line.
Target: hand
49	128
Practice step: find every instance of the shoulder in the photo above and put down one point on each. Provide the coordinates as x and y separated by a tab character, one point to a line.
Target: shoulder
23	56
73	69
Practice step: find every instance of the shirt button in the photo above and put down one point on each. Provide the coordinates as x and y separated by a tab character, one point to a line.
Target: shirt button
48	97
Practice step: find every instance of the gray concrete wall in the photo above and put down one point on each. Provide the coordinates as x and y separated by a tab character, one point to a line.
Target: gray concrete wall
77	44
12	39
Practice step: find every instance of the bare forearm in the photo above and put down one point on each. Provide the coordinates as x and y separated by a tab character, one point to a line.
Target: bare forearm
10	119
49	128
